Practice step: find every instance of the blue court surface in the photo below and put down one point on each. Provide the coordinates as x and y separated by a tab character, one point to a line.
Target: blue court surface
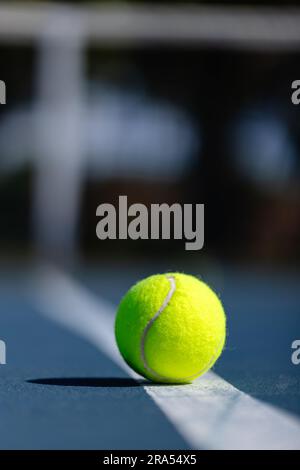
65	386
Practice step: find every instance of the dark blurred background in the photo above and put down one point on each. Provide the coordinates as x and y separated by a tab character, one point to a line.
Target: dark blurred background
186	122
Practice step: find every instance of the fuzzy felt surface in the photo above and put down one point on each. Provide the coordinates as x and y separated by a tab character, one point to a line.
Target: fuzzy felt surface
185	338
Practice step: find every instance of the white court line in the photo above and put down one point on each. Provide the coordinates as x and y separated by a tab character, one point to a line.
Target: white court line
210	413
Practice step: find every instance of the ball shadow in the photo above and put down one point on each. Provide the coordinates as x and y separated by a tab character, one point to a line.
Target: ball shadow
97	382
86	382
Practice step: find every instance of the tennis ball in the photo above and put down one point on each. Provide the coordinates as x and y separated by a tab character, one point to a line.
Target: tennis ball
170	328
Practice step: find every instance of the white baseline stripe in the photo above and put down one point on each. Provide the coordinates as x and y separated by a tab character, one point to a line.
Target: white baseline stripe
210	413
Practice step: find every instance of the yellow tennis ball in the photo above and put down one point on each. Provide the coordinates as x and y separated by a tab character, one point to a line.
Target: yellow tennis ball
170	328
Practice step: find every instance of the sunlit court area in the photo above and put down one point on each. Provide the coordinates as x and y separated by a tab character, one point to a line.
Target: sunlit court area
132	105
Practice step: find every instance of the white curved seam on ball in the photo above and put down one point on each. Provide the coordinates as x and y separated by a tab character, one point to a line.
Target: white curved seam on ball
170	294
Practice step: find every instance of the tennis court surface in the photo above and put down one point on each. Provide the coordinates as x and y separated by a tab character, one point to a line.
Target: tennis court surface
65	386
